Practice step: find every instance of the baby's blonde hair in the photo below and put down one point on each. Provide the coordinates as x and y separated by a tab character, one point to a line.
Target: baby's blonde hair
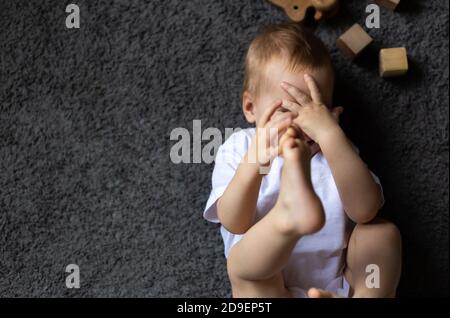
301	47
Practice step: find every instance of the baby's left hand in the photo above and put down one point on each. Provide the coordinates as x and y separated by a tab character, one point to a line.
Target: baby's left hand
312	116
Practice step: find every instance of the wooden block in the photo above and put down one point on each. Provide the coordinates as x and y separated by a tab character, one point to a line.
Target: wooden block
354	41
296	9
389	4
393	62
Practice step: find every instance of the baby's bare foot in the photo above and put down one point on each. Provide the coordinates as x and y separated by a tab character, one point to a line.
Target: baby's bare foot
299	209
319	293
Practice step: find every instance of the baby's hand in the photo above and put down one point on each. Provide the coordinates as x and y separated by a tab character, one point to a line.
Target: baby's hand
269	129
312	116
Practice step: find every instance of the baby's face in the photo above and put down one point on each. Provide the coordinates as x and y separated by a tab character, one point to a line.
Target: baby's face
276	73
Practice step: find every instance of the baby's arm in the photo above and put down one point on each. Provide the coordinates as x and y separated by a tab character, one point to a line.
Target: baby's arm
360	194
236	208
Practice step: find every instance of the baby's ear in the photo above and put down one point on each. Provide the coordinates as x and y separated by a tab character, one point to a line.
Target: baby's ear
248	107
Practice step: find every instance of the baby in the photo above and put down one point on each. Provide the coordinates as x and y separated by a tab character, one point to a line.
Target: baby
292	232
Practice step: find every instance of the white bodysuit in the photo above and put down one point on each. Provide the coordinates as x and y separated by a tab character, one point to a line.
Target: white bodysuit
318	260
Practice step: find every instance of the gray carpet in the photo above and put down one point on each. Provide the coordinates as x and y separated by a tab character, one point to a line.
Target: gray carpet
86	117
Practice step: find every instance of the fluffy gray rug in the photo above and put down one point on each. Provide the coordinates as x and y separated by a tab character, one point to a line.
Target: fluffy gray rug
86	117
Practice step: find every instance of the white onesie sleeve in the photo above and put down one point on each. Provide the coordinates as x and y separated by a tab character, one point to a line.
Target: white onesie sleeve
228	158
377	180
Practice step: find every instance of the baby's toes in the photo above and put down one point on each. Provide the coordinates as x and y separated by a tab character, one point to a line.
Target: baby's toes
289	148
292	132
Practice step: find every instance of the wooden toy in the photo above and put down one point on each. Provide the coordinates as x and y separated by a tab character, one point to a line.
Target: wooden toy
393	62
353	41
389	4
296	9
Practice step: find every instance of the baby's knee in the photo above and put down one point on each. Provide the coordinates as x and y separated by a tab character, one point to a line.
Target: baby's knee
387	230
390	231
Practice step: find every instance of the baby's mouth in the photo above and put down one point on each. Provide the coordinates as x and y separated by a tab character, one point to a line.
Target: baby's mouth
310	142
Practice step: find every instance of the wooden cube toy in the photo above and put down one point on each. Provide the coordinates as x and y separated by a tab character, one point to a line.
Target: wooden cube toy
389	4
393	62
353	41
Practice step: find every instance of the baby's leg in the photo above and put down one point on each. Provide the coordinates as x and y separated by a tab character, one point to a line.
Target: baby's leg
255	262
378	243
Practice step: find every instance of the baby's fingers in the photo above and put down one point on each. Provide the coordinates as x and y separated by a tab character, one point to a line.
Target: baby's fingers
313	89
282	122
278	114
293	107
267	114
296	93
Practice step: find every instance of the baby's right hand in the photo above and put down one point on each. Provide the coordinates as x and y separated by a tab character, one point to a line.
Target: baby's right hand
269	130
